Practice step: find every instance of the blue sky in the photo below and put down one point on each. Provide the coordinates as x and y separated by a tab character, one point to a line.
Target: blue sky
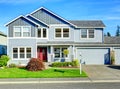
106	10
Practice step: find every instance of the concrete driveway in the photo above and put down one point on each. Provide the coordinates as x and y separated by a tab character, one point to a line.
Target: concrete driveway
102	72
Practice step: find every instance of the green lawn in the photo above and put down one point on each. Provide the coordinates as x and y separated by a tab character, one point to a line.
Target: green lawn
48	73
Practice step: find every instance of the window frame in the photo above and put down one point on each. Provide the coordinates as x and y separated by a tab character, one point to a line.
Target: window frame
62	33
18	53
42	36
22	31
61	52
88	33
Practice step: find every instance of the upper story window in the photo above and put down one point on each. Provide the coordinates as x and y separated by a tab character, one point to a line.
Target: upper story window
62	33
87	33
42	33
22	31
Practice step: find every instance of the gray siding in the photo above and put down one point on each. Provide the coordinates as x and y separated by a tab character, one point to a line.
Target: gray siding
98	36
21	43
21	22
46	17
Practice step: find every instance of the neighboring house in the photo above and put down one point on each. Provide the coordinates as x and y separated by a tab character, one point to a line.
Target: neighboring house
45	35
3	44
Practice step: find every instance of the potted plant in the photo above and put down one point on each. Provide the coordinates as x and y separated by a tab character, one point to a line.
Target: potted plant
112	57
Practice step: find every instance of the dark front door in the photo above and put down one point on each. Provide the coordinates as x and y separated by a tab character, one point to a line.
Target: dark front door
42	53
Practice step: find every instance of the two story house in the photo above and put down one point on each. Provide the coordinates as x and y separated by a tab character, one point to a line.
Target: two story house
45	35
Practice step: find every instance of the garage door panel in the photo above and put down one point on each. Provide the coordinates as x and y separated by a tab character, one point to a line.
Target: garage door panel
93	55
117	56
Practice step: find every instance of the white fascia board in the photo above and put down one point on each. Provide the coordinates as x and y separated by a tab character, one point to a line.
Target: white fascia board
54	15
20	17
90	27
38	19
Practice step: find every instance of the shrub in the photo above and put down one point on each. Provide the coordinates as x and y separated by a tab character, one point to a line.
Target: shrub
3	60
12	65
75	63
35	64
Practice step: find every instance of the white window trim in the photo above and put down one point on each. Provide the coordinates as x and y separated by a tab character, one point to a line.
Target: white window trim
60	53
21	31
42	33
87	33
19	53
61	33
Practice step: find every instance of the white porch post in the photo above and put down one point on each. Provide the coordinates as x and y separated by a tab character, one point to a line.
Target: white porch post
51	54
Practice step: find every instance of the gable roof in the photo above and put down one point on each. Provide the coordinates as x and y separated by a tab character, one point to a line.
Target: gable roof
1	33
37	20
54	15
21	16
112	40
88	23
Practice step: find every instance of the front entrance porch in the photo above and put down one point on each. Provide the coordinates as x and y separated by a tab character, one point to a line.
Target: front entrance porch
42	53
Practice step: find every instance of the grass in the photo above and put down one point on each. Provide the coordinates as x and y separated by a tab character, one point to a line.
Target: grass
48	73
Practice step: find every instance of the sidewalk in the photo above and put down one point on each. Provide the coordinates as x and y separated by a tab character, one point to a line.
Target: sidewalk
52	80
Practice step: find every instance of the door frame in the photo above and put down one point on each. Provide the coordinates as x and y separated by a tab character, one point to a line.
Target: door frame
38	47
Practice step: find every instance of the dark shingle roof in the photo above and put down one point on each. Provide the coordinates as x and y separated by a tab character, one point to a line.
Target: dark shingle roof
88	23
112	40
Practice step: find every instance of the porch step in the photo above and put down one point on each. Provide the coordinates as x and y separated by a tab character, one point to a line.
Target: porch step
47	64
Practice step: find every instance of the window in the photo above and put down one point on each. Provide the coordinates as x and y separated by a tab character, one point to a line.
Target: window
15	52
42	33
58	32
87	33
22	53
65	32
91	33
84	33
59	52
26	31
28	52
62	33
22	31
17	31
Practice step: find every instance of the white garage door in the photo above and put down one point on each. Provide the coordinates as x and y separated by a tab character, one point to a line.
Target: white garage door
117	56
94	55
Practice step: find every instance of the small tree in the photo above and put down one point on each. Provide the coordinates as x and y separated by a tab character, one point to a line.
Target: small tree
66	52
118	31
108	34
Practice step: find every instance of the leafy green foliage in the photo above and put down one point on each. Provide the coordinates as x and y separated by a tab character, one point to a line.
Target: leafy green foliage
12	65
74	63
3	60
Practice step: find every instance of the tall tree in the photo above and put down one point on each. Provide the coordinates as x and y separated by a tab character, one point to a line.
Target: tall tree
108	34
118	31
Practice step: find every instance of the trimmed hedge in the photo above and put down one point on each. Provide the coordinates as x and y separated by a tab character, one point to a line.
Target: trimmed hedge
74	63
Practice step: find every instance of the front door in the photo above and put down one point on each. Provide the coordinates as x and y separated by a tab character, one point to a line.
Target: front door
42	53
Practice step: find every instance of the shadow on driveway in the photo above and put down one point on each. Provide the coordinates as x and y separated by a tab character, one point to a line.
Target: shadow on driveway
114	67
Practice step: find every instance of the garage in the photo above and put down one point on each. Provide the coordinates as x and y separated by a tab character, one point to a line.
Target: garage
117	56
94	56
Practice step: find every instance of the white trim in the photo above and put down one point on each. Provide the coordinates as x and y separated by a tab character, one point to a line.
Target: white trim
37	19
22	31
87	33
21	37
59	25
42	33
53	14
21	16
90	27
25	47
61	33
